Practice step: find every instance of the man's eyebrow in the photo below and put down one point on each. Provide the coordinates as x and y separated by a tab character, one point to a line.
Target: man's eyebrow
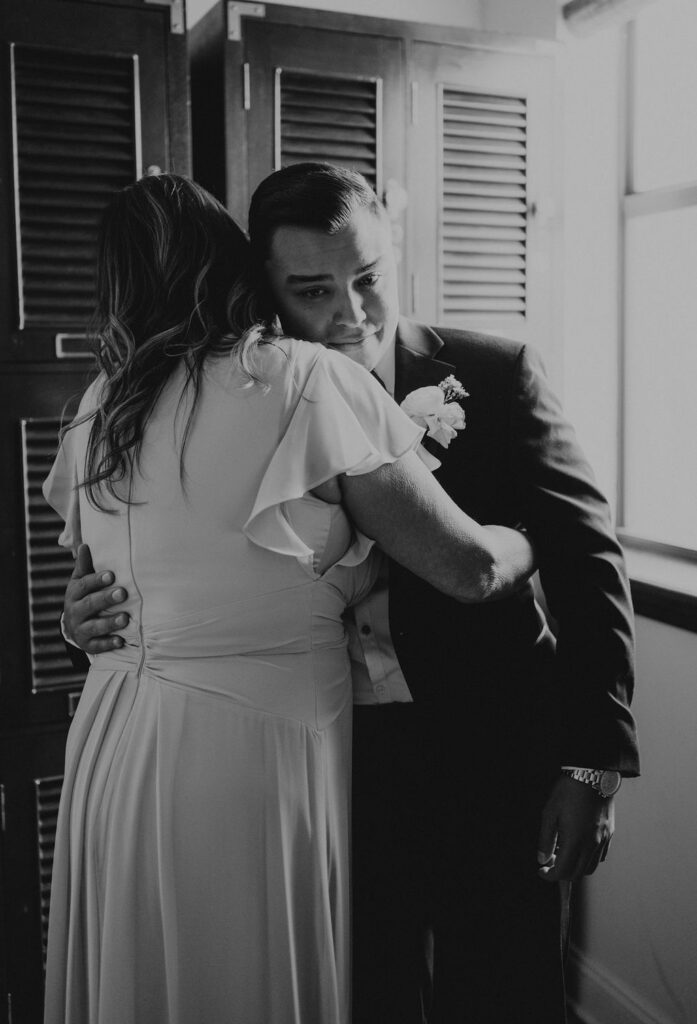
308	278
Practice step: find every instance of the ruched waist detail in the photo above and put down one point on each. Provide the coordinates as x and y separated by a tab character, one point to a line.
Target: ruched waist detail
258	652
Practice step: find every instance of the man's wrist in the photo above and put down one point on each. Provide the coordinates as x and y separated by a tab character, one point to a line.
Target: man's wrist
605	781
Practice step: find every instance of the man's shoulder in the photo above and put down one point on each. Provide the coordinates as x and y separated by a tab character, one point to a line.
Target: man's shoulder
454	345
473	345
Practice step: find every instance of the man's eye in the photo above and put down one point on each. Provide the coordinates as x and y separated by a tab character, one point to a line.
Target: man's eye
313	293
369	281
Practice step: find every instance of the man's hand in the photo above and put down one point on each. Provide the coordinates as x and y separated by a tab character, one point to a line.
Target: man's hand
88	603
577	827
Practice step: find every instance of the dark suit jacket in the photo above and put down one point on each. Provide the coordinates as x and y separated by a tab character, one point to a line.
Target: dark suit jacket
494	671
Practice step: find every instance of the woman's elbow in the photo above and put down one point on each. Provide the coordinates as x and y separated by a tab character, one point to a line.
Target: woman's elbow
480	582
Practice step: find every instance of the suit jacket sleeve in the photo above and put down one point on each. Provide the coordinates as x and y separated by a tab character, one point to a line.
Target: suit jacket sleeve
583	576
78	658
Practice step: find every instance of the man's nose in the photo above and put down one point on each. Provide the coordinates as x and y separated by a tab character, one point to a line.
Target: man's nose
350	311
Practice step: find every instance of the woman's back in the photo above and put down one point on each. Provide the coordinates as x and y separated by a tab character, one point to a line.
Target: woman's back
203	830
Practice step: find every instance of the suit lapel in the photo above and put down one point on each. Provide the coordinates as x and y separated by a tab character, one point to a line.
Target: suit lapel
416	365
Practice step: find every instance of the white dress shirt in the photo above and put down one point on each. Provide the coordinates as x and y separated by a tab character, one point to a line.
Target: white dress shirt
377	677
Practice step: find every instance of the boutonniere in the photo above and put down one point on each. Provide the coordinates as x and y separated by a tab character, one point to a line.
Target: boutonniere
436	408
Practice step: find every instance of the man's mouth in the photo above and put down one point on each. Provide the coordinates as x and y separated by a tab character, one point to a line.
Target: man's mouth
351	339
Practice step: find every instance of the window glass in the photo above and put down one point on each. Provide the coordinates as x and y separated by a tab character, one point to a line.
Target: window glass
660	452
665	95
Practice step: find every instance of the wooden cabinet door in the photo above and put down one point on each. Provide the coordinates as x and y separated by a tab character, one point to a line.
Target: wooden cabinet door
317	94
89	109
480	182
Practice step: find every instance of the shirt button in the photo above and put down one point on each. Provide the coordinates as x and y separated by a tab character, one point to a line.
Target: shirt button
381	690
365	630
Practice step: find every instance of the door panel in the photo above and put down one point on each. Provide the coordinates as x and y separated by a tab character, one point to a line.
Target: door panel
482	234
37	683
317	94
75	129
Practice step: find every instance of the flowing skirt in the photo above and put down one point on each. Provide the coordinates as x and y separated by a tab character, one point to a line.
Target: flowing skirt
201	863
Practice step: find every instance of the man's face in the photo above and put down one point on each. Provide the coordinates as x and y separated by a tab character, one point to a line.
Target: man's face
339	290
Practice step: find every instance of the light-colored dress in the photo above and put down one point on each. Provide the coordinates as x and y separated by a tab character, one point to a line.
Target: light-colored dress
201	871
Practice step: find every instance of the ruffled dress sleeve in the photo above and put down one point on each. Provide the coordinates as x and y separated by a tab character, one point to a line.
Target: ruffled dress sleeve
342	422
60	488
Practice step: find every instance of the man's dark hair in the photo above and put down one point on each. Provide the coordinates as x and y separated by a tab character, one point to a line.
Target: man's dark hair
306	195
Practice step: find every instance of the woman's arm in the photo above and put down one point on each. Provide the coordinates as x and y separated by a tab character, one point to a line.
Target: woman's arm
406	511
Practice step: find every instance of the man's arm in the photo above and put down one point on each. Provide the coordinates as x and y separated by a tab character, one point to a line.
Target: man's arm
585	583
89	621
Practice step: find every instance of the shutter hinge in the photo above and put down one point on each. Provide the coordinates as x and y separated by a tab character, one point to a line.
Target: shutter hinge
2	807
414	103
235	12
177	17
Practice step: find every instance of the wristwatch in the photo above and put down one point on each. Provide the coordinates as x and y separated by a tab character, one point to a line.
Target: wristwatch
605	781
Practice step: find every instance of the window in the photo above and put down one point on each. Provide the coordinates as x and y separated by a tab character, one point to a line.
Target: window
658	480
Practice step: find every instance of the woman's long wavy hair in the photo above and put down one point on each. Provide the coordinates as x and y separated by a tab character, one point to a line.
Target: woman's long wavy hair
172	286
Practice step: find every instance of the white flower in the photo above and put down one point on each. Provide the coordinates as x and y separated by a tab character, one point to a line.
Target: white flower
428	408
452	389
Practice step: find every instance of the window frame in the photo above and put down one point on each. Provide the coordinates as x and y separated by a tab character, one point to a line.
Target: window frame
653	595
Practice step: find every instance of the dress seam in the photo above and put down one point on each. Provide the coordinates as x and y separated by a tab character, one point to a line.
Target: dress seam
137	589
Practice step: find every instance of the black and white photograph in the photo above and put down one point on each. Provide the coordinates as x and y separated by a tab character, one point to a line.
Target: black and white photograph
348	646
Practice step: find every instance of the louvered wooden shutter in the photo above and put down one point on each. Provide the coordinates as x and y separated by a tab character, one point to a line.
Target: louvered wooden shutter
47	793
76	140
483	204
332	118
49	566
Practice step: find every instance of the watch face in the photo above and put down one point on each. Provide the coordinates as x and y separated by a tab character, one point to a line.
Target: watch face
609	783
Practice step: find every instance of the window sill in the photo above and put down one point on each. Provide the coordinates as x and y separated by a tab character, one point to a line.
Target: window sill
664	587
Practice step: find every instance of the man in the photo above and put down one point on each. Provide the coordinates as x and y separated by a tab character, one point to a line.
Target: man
465	823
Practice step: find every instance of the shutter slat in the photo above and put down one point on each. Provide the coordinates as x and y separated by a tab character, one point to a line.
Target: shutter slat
490	163
350	119
467	262
483	306
324	117
483	230
495	147
477	130
463	204
482	101
331	147
503	290
75	125
486	276
458	232
484	245
475	117
324	133
475	187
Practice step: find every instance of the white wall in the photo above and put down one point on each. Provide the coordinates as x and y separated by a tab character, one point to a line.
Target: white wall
535	18
640	908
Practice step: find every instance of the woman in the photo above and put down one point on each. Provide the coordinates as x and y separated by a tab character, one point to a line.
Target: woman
201	862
